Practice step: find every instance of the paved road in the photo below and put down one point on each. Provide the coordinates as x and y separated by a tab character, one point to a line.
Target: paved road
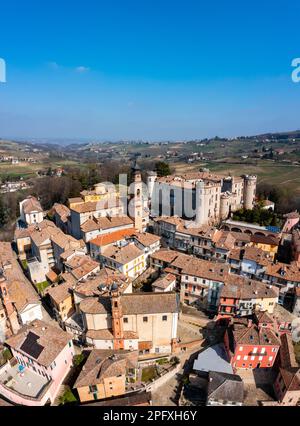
168	394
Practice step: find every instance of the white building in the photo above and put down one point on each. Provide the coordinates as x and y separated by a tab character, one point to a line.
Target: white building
31	211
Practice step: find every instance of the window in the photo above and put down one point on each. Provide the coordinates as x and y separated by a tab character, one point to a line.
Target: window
241	348
125	320
245	357
274	349
145	319
270	358
238	357
70	344
93	388
164	318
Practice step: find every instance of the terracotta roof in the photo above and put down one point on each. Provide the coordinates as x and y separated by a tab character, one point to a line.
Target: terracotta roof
104	223
65	241
291	378
20	290
164	282
51	275
43	232
26	232
251	253
265	239
31	204
62	211
60	292
165	255
123	254
102	364
145	238
249	289
112	237
254	336
181	261
52	340
82	265
134	303
101	281
206	269
93	206
288	272
264	317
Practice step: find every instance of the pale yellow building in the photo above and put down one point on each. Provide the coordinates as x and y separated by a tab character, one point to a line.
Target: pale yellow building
106	374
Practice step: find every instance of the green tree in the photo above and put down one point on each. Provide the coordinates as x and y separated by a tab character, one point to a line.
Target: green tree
162	168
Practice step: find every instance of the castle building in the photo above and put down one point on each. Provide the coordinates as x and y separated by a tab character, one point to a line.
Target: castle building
203	196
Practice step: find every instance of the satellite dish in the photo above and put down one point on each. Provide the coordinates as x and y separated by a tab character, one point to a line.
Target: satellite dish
296	330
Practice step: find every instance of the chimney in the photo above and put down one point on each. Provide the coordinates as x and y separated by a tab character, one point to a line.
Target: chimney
249	323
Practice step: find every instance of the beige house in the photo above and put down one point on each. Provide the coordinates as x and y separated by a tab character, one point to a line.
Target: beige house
106	374
61	298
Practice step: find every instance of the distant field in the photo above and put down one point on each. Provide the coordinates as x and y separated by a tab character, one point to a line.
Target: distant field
28	170
266	171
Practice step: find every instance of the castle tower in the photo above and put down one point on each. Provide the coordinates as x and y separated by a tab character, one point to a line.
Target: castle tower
117	318
151	178
201	218
224	205
137	206
249	191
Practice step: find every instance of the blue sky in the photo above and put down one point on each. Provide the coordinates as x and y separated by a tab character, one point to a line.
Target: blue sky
149	70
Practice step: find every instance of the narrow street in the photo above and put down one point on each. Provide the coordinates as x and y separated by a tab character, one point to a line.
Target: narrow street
169	393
